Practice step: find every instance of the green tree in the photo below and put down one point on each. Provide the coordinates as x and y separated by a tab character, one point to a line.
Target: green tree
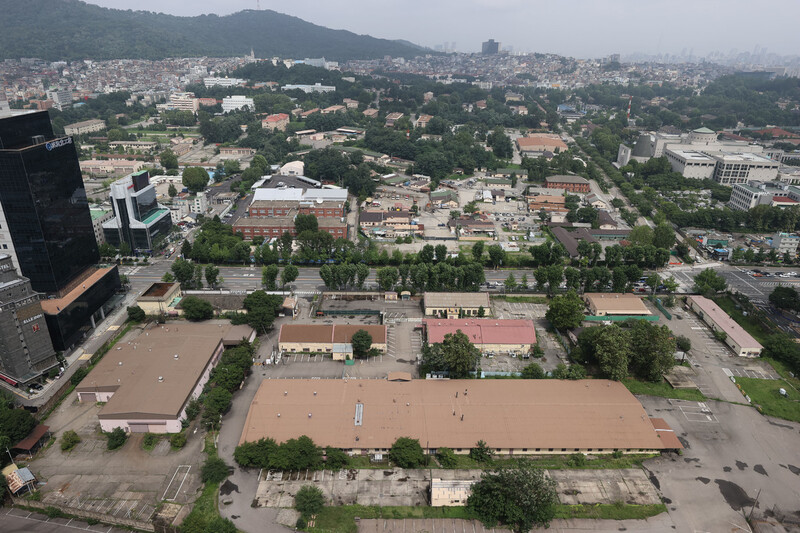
664	236
15	424
106	250
212	275
407	453
362	273
172	191
269	275
306	223
533	371
195	309
565	311
183	271
309	500
653	350
362	342
709	282
214	470
289	274
168	159
125	249
641	235
446	457
497	255
683	343
69	439
387	277
195	179
477	250
460	356
520	496
613	351
784	297
653	281
481	452
116	438
510	282
335	459
136	314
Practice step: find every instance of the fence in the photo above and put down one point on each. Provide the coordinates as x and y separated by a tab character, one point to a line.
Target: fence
657	303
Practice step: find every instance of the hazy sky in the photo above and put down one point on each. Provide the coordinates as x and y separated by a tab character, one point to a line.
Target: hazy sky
581	28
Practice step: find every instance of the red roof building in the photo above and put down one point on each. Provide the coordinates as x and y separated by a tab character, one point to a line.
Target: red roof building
489	335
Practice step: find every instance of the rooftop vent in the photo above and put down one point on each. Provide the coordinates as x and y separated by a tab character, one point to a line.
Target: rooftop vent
161	379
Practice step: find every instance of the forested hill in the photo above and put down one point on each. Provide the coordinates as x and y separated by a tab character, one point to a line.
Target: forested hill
70	29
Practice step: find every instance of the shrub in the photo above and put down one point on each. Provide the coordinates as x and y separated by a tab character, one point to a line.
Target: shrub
335	459
617	454
150	440
54	512
309	500
92	521
116	438
214	470
301	523
69	440
136	314
78	376
178	440
577	459
447	458
193	409
407	453
481	452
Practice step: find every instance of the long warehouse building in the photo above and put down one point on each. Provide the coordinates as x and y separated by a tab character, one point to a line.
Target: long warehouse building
514	417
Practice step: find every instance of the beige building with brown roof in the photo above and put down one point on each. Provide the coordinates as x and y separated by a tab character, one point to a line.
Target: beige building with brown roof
147	383
609	304
327	339
514	417
455	304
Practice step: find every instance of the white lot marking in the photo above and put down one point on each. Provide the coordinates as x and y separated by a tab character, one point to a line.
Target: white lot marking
177	476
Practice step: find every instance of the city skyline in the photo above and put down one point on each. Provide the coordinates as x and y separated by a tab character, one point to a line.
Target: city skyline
579	28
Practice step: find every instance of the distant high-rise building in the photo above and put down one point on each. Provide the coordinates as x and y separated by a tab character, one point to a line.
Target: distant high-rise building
46	226
138	218
25	346
490	47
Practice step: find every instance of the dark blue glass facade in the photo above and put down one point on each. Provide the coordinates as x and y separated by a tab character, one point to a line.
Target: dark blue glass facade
44	200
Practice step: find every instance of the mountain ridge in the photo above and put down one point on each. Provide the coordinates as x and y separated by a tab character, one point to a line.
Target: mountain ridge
72	29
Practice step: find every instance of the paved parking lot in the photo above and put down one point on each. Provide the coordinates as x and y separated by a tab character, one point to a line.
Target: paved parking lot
22	521
695	411
751	372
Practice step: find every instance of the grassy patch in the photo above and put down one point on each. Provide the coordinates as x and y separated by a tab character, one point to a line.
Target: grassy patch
662	389
764	393
783	371
206	507
560	462
614	511
363	462
341	519
729	306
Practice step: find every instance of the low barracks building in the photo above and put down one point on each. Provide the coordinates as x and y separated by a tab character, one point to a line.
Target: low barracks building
742	343
514	417
333	339
488	335
456	304
568	183
148	382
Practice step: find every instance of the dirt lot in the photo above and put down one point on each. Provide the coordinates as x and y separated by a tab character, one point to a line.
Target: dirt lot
410	487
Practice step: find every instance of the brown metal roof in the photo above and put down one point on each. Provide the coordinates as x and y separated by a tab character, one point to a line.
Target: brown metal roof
457	299
320	334
517	414
132	370
33	438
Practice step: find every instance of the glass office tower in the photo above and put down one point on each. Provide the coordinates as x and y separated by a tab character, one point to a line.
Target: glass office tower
44	203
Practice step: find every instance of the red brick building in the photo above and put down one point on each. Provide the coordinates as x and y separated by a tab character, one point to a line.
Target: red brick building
269	208
275	226
568	183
